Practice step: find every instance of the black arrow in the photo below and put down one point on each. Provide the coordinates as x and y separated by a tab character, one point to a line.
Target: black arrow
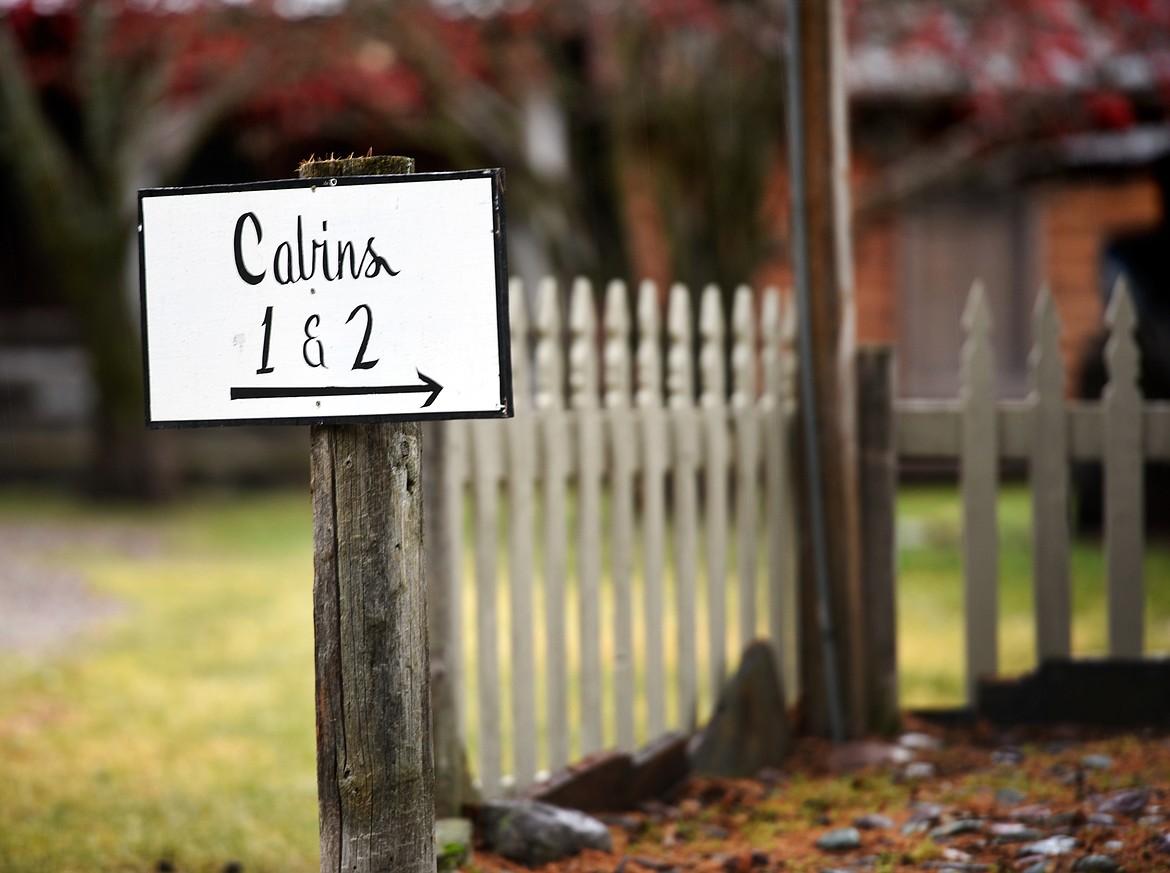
429	386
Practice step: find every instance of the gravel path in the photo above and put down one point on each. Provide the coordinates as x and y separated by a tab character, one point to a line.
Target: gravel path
44	599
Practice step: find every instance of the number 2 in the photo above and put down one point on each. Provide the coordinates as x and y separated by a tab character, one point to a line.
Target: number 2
359	363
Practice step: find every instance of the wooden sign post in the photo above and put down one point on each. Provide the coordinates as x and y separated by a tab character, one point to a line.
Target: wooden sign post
324	301
375	770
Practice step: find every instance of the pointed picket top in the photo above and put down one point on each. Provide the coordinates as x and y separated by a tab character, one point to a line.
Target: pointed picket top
549	366
582	346
1119	314
518	319
711	330
649	353
743	346
976	314
1045	361
790	361
680	383
771	351
1123	483
976	372
617	346
1121	351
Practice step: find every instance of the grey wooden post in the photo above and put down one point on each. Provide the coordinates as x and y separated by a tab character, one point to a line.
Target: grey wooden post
375	772
878	481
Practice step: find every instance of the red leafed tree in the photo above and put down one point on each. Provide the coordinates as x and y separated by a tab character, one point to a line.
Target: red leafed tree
1016	71
103	97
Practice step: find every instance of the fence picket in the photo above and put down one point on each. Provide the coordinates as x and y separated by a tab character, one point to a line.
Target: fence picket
681	399
521	438
583	395
777	329
622	454
486	456
747	461
554	438
455	470
713	401
979	486
1124	488
1048	471
654	448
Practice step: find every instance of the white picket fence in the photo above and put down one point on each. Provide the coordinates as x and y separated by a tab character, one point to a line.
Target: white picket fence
630	495
608	515
1047	432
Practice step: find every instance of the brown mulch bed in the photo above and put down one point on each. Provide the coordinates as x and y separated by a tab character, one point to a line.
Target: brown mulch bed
1107	794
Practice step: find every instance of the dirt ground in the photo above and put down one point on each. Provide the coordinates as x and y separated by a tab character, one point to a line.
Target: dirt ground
960	800
44	604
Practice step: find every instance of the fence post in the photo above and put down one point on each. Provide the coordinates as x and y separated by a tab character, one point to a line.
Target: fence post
375	769
877	478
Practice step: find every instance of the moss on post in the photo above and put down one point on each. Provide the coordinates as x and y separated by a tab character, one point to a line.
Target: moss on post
370	165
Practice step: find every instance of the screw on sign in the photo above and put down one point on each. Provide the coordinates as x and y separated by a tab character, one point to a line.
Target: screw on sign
248	317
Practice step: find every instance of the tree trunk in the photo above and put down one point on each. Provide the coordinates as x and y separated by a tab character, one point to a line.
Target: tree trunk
126	460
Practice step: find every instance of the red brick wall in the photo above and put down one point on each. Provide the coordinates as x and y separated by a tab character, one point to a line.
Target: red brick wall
1076	221
875	291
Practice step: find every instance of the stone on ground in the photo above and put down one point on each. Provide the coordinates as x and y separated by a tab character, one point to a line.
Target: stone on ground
452	843
534	833
749	730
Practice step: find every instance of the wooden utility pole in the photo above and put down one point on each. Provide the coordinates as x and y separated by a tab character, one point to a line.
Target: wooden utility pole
375	772
831	596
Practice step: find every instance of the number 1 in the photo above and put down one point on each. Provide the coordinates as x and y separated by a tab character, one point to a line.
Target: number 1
267	322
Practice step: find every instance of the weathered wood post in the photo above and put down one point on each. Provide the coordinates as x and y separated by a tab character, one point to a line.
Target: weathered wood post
375	773
878	488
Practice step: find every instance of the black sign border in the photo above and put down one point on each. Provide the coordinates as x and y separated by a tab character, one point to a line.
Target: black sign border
503	329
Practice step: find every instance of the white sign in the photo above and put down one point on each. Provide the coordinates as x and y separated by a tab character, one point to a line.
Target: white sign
364	298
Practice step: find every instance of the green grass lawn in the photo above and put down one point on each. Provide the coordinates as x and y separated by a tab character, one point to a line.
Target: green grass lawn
930	594
182	730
